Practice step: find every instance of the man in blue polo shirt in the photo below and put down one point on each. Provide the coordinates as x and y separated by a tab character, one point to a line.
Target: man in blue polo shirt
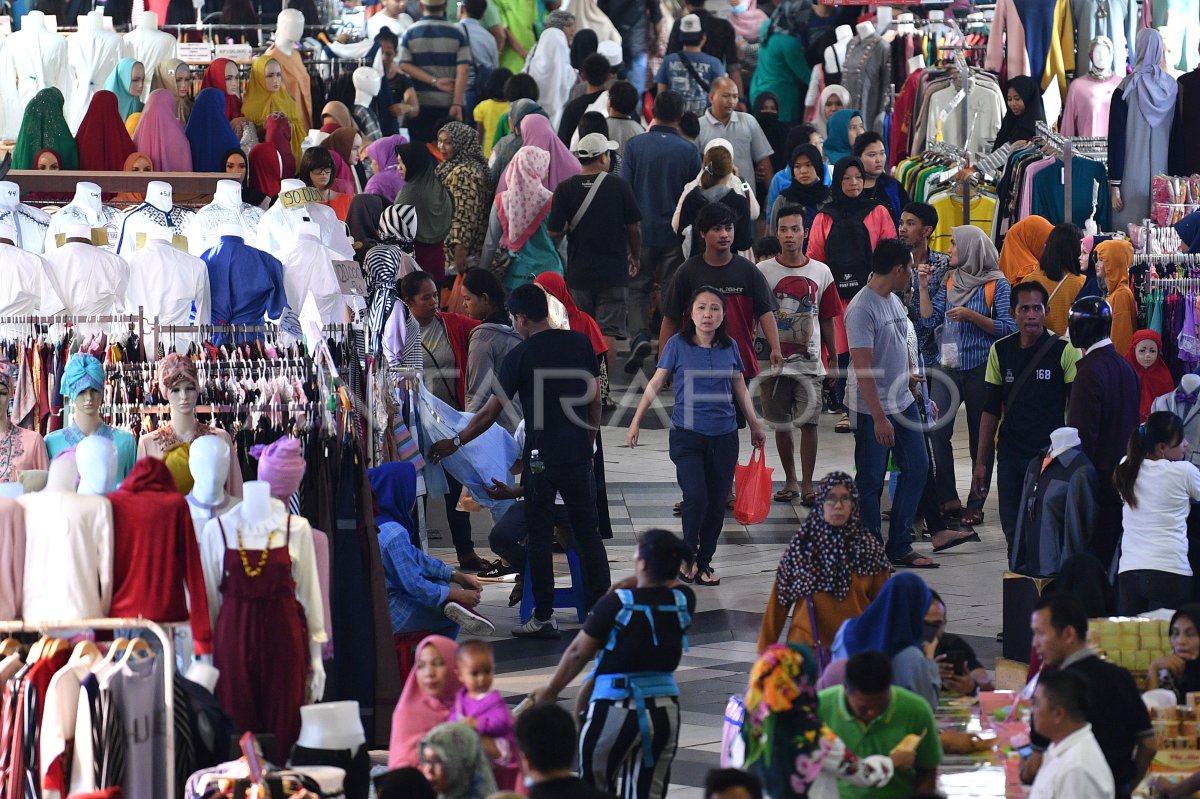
435	53
657	164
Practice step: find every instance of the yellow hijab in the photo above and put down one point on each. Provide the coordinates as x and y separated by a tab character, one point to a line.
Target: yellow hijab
260	103
1118	257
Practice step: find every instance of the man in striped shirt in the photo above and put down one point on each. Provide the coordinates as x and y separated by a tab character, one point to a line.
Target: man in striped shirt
436	55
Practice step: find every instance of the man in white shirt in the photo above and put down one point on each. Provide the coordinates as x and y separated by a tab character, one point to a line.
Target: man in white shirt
1073	767
393	16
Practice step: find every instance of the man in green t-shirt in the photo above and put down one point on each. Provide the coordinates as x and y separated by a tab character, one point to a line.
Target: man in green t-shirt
872	716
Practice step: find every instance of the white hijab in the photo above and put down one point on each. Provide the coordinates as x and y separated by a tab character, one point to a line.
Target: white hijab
549	63
833	88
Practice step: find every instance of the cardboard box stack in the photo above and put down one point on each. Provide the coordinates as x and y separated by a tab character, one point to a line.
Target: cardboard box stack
1131	643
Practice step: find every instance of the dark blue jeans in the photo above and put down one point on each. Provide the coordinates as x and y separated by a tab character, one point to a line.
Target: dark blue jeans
576	483
508	536
704	470
1010	482
870	461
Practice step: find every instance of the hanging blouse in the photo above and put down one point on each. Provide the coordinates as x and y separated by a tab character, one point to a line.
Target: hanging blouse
69	437
21	450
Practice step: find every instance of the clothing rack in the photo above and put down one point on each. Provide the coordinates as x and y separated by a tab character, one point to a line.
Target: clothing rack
1067	148
162	630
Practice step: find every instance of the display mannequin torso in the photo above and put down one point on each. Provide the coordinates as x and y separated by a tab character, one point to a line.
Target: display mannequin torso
31	223
289	29
149	45
331	725
279	226
172	443
159	210
226	208
308	272
22	281
37	59
84	280
169	285
835	54
92	53
85	208
246	283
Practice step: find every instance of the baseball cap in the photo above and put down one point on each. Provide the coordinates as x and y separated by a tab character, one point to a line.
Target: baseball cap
594	144
690	30
612	51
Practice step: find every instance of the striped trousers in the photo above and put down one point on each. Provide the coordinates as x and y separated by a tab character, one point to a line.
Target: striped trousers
610	747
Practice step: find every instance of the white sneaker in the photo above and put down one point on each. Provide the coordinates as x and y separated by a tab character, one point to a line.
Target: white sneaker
470	621
537	629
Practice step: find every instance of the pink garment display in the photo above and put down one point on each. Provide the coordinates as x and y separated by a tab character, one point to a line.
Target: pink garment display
12	558
1026	207
160	135
21	450
1012	60
1086	110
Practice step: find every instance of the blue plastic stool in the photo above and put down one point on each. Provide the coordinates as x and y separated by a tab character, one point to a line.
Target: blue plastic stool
571	597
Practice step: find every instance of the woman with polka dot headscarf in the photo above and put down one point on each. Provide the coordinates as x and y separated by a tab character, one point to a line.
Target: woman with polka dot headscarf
833	562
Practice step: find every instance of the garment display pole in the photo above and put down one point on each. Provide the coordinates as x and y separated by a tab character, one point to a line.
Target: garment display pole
163	631
964	76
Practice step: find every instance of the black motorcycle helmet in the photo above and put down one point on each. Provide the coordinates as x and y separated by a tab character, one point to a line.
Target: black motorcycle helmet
1090	321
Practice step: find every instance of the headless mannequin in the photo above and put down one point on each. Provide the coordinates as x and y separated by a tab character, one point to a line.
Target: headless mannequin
1063	439
331	725
308	273
96	459
865	30
1190	383
226	208
29	223
148	45
160	198
835	54
279	225
92	53
288	30
168	284
85	208
38	59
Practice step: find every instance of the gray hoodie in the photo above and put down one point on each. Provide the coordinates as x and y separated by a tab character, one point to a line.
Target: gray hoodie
486	347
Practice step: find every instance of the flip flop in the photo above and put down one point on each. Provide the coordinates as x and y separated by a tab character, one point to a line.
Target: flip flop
843	425
971	517
809	500
786	495
909	561
974	536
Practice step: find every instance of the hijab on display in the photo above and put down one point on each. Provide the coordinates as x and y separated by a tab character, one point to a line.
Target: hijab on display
525	201
236	152
82	372
44	126
895	619
978	263
131	123
259	103
819	122
468	770
423	190
247	134
536	132
1155	380
394	487
164	78
278	133
556	286
104	144
417	713
264	174
837	198
160	135
362	219
1153	87
387	180
808	194
1100	74
1117	255
837	138
209	133
281	463
175	369
824	558
118	84
136	162
1024	127
1188	229
1022	248
214	78
340	114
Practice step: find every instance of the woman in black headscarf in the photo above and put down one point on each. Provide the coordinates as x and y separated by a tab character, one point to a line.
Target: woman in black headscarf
807	190
363	221
583	44
1180	670
766	111
1025	110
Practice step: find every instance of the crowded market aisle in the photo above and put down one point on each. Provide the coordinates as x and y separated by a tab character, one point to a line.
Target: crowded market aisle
641	491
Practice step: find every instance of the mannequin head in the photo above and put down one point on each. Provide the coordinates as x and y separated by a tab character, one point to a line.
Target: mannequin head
83	384
87	195
10	194
63	474
47	161
289	27
367	82
162	234
85	23
282	465
235	167
1102	54
137	79
229	193
160	195
232	84
183	80
274	76
148	21
179	384
96	459
208	460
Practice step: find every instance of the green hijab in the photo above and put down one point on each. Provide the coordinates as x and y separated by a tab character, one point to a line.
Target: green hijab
467	768
423	191
43	126
118	84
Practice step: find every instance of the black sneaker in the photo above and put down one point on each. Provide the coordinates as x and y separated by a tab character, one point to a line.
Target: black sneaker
500	573
537	629
639	350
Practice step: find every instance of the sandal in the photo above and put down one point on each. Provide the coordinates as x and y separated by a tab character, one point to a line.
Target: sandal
971	536
678	509
809	499
914	560
707	577
843	425
688	576
786	495
971	517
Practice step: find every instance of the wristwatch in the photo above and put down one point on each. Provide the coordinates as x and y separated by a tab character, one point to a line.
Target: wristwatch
457	441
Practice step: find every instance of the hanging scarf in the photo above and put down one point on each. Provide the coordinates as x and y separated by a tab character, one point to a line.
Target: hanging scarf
1117	255
820	122
837	139
554	285
118	84
104	144
809	195
1156	380
467	151
525	201
160	135
978	263
214	78
1023	245
260	103
208	132
1188	229
785	739
44	126
468	770
1153	87
895	619
264	174
278	132
417	713
823	558
424	191
387	180
1024	127
164	78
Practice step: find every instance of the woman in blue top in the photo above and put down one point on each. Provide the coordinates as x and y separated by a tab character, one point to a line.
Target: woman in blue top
706	371
972	311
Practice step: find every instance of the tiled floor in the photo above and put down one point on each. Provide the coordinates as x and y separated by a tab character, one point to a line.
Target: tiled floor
641	491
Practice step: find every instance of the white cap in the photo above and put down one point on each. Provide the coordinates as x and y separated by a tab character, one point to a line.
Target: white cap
612	51
78	232
690	29
719	142
594	144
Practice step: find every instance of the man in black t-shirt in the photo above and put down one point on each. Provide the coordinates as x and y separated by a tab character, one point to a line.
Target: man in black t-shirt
555	374
603	249
1028	382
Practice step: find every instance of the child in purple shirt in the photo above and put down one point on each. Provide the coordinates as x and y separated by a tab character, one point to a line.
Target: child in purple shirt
485	709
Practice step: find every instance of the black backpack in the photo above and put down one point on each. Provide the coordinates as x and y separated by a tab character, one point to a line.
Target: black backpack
848	250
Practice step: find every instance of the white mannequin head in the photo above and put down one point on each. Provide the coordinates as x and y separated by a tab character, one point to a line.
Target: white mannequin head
1063	439
148	21
160	195
1190	383
228	193
8	233
63	474
96	459
1102	54
256	500
208	461
843	33
367	83
10	194
289	29
865	29
87	195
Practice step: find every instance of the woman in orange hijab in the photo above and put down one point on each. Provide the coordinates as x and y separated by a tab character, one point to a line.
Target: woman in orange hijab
1113	259
1023	247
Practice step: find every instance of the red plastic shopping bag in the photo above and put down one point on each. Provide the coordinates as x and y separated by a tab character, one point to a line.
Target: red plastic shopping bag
753	483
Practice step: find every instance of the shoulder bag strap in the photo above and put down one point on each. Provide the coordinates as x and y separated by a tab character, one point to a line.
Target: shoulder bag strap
687	63
1056	288
1029	367
587	202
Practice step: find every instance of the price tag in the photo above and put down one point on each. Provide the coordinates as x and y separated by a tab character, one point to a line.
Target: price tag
194	52
350	278
5	25
241	53
298	197
289	323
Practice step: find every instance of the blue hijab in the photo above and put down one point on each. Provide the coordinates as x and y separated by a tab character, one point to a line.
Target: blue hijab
1188	229
837	138
83	371
894	621
395	488
118	84
209	133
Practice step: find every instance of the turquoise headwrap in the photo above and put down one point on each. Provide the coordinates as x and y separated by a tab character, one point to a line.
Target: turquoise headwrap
83	372
118	84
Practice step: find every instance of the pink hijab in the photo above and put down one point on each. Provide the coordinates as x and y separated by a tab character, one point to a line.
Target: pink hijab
748	24
160	135
415	713
536	132
343	178
525	201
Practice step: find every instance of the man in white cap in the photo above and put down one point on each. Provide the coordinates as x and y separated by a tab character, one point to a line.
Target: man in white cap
690	72
592	207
